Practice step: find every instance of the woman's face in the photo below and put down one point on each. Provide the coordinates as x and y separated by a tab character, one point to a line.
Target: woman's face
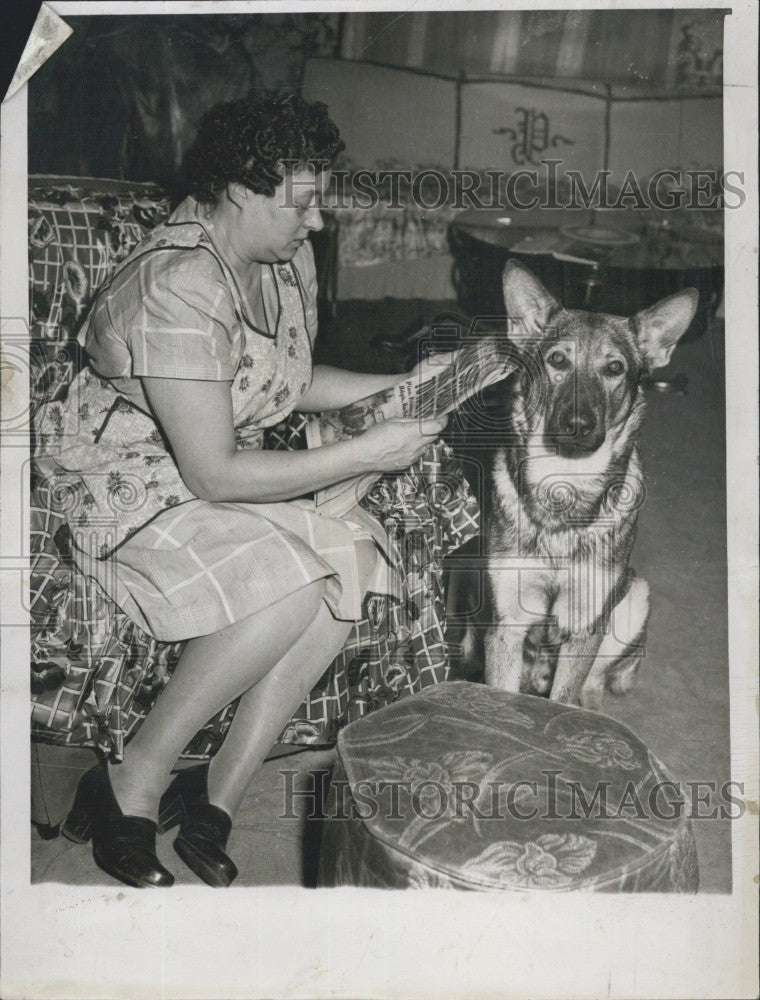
278	226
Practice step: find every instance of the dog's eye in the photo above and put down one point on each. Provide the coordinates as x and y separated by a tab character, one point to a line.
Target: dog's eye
557	359
614	368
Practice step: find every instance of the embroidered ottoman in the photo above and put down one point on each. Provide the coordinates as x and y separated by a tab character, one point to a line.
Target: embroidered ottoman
464	786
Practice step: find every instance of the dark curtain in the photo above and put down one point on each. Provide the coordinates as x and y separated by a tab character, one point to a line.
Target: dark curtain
657	46
123	96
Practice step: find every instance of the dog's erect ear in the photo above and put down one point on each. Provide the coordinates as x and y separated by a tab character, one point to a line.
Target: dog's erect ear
528	303
661	326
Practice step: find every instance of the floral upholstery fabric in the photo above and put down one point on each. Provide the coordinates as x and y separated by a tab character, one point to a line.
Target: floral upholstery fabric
78	231
95	674
496	791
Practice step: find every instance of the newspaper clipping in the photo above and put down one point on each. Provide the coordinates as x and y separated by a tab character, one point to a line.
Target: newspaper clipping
470	370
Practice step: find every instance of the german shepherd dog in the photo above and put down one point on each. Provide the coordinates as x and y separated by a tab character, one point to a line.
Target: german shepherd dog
568	617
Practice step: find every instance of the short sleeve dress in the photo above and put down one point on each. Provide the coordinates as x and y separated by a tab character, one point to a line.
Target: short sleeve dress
177	565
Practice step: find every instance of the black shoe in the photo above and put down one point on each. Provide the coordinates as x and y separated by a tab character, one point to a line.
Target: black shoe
123	846
204	828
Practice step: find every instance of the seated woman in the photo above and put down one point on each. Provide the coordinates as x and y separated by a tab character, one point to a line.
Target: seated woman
202	338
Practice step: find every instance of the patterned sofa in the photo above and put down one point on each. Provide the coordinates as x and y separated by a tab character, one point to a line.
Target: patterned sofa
93	682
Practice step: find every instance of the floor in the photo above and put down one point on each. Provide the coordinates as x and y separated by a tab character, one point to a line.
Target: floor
680	705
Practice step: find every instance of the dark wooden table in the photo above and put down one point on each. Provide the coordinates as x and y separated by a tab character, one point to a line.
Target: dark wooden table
643	257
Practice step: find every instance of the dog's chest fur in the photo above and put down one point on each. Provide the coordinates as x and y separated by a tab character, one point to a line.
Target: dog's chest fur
568	568
555	512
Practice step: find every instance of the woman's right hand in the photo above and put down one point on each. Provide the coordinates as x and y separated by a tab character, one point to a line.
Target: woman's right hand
198	420
394	445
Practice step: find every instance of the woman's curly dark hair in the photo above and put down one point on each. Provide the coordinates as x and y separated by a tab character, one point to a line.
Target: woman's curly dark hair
246	141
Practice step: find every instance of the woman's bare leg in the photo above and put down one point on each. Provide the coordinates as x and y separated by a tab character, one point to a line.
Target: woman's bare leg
265	709
212	671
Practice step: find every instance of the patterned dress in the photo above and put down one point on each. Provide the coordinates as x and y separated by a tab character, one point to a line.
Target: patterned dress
180	566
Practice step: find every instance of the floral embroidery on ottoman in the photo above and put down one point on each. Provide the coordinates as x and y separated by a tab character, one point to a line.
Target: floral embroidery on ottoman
436	783
593	747
487	704
549	862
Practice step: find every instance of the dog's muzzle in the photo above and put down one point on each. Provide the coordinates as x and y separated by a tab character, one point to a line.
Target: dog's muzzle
575	429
